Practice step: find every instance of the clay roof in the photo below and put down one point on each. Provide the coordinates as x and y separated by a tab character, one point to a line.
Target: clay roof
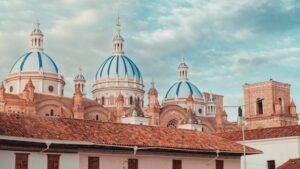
263	133
115	134
291	164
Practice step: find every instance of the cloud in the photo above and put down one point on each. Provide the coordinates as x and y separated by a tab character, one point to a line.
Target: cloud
226	42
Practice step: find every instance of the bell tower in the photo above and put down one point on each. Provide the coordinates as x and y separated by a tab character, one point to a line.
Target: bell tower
268	104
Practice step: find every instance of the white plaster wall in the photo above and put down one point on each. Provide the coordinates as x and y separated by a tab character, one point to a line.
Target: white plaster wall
107	161
7	159
278	149
135	120
156	162
197	127
38	160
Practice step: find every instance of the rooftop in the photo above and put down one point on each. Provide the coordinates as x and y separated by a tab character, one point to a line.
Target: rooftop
265	133
101	133
291	164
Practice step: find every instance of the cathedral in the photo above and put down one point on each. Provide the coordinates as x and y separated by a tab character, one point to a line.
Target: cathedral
35	86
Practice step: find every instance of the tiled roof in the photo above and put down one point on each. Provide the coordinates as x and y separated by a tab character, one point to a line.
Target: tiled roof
264	133
291	164
114	134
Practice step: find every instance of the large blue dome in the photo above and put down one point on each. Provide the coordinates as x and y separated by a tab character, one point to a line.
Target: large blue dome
34	61
118	66
183	89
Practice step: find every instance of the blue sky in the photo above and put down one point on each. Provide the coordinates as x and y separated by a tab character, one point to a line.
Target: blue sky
226	42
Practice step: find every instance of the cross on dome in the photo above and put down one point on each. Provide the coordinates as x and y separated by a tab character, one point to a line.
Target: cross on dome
118	41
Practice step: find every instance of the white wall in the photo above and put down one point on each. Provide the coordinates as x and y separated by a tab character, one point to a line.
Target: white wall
156	162
278	149
114	161
38	160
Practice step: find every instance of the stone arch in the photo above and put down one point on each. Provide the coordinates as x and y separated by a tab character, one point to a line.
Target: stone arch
171	113
44	108
92	112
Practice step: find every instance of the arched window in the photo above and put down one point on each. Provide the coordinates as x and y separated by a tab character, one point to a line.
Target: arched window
138	101
97	117
131	100
281	104
35	40
102	100
200	111
39	42
172	124
51	112
259	106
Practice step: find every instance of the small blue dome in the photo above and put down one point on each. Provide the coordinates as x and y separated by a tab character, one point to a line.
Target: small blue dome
36	30
79	77
183	89
118	66
34	62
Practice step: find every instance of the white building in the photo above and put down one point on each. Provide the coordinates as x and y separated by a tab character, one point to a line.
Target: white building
31	142
278	144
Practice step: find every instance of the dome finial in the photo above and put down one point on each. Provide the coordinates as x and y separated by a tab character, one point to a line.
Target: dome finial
118	41
36	38
183	70
118	25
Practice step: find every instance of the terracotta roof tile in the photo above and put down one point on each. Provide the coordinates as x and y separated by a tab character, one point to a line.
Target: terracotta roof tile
263	133
291	164
114	134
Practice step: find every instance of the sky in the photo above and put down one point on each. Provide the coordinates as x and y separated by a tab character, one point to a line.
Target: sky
226	43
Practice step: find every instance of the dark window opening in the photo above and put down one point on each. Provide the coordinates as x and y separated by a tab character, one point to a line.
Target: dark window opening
21	161
131	100
219	164
103	100
93	163
172	124
259	106
97	117
50	88
200	111
133	164
11	89
271	164
177	164
53	161
51	112
281	104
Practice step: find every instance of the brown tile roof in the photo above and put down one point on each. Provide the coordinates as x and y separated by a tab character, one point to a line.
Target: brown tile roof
263	133
291	164
114	134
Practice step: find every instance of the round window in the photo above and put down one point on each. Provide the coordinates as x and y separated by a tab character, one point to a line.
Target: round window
11	89
50	88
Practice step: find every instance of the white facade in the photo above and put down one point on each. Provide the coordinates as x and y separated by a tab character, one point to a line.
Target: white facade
136	120
196	127
278	149
38	160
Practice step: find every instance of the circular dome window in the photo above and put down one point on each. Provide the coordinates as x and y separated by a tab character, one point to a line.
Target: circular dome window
11	89
50	88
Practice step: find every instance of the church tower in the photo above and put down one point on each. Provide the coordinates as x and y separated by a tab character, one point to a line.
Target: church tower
268	104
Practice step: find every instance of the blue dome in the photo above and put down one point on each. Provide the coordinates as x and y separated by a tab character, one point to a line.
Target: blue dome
183	89
118	66
79	77
34	62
